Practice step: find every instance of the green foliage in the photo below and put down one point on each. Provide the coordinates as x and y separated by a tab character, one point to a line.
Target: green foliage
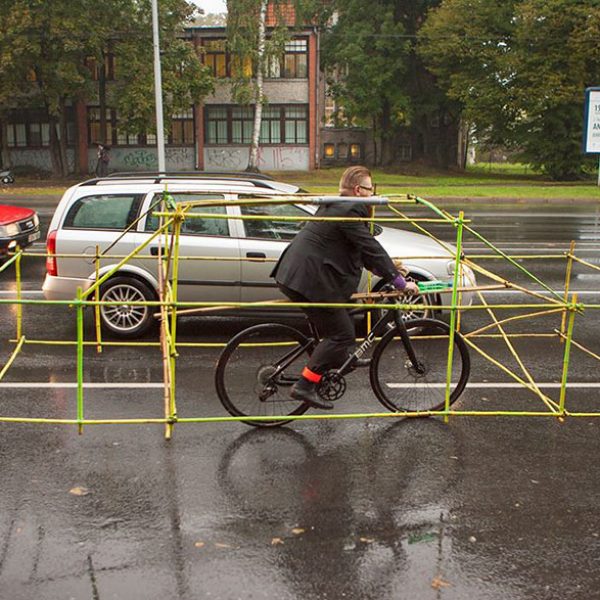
519	69
243	18
185	80
53	40
378	80
364	53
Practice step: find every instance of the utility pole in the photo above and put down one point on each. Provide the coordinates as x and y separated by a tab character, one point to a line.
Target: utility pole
160	130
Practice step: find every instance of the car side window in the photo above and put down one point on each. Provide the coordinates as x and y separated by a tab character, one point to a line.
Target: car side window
196	226
104	211
273	229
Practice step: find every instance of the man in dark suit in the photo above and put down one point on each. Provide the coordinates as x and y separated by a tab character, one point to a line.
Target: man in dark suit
324	263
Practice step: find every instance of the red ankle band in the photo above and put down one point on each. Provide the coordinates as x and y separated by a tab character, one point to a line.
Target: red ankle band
311	376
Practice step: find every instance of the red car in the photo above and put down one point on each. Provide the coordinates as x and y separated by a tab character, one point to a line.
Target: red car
19	226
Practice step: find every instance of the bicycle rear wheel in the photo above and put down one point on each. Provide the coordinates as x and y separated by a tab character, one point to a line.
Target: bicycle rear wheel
257	369
401	387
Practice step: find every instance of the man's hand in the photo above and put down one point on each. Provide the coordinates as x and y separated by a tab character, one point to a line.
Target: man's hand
411	289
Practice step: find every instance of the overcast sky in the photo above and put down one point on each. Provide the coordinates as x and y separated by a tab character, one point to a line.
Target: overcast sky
212	6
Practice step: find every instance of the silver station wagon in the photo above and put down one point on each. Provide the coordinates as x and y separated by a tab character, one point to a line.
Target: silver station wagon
97	213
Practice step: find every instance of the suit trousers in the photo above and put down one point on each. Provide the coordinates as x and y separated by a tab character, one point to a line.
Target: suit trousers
336	330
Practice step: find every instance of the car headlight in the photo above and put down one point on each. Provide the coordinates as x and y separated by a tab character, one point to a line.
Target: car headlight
36	220
9	230
451	267
468	277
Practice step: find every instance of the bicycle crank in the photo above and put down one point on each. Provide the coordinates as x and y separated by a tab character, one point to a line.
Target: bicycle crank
332	386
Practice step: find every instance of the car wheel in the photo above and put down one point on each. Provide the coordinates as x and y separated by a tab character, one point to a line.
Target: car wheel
127	319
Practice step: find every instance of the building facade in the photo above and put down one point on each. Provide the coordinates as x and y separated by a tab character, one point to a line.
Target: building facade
212	136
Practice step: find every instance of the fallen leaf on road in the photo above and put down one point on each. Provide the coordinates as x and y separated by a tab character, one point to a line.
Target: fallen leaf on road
276	540
438	583
218	545
79	491
297	530
199	544
367	540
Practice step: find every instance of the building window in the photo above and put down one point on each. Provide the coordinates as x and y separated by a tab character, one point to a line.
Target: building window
242	121
17	135
355	151
280	124
215	57
216	125
328	150
342	151
294	62
182	129
270	126
94	135
221	62
182	132
296	125
31	129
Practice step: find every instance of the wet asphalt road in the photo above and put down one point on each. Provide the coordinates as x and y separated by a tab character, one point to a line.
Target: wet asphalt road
482	507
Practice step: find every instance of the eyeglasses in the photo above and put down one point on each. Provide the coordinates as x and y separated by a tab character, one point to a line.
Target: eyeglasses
372	188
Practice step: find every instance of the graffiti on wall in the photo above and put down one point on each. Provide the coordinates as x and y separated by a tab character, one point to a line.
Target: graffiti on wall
275	158
146	159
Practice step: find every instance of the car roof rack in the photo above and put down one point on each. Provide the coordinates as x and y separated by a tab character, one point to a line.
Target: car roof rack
159	176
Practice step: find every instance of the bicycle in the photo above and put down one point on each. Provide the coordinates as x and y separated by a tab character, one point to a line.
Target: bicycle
407	371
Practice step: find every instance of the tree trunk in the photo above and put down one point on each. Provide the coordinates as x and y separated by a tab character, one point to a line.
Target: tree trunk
375	145
253	159
102	101
62	140
4	149
54	147
463	144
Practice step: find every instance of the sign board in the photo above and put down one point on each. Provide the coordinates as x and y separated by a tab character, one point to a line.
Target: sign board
591	126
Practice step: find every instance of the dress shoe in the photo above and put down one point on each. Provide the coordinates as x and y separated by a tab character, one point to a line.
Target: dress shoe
306	391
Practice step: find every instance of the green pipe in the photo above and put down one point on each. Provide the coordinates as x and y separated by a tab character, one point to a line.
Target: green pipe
79	361
566	357
455	284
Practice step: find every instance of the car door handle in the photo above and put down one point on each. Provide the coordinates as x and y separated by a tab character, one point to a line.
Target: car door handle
256	255
154	250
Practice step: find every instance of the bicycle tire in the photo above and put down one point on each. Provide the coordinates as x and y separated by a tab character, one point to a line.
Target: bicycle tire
243	372
398	385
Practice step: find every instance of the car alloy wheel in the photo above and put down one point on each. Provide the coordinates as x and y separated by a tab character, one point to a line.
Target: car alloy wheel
128	318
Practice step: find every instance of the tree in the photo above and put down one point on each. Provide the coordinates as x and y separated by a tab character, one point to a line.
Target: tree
253	51
185	80
41	51
518	68
378	79
45	48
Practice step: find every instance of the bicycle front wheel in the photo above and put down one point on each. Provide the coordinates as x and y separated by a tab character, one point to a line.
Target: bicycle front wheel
257	369
402	386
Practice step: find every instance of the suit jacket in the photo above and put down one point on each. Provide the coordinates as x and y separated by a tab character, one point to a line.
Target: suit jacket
324	261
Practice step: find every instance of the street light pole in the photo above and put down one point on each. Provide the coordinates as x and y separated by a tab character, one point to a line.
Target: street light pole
160	131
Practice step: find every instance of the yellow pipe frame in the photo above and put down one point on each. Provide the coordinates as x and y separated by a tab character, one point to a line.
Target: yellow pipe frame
169	308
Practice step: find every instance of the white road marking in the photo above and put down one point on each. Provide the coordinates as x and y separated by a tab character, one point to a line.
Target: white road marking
488	385
71	385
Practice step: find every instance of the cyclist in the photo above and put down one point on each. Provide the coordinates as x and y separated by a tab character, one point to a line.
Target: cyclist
323	263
